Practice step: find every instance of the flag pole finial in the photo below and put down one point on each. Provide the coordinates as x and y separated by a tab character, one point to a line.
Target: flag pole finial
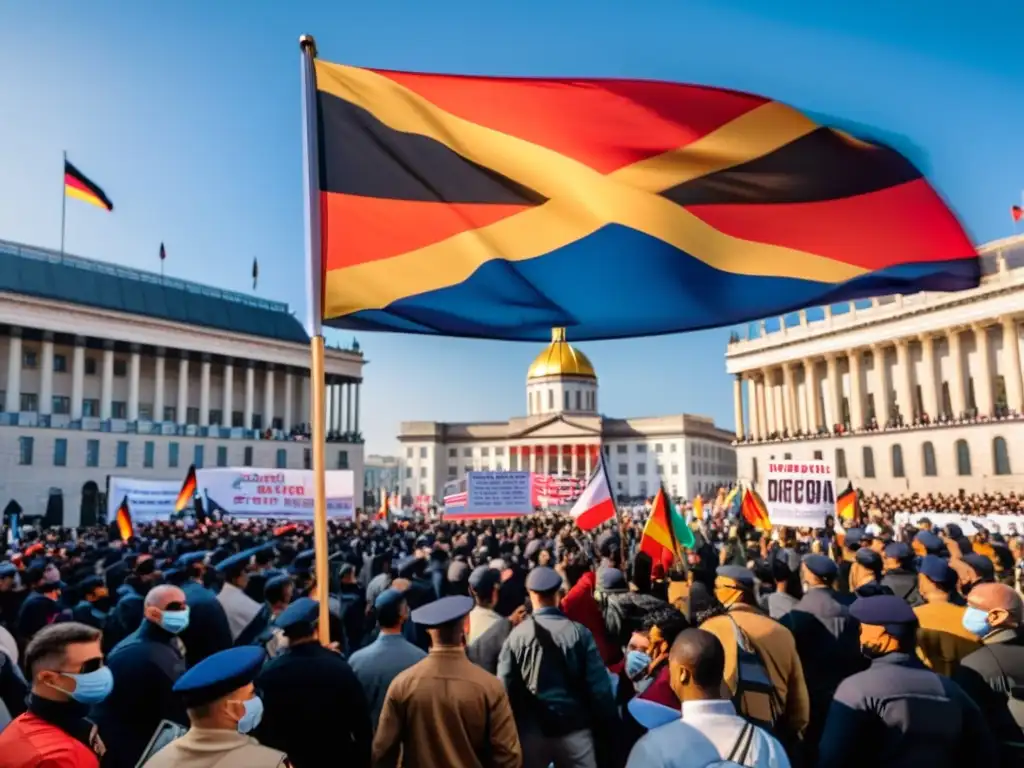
307	41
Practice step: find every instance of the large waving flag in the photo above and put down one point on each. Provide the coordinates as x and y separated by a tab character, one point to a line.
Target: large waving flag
81	187
659	538
123	520
596	505
188	490
521	200
846	504
754	510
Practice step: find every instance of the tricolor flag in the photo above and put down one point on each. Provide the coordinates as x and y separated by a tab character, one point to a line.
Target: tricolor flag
524	198
659	538
846	504
188	490
595	505
80	187
754	510
123	520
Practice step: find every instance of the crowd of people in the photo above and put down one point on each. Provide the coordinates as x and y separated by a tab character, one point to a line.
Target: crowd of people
519	642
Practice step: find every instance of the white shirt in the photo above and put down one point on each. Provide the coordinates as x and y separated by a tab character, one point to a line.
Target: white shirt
706	734
480	620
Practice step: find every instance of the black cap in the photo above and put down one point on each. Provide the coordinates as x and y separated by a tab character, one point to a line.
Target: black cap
234	565
981	566
937	570
898	551
220	674
869	559
821	566
612	580
543	579
444	611
484	579
299	618
744	577
883	610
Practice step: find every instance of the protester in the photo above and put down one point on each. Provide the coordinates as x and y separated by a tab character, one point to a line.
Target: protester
942	640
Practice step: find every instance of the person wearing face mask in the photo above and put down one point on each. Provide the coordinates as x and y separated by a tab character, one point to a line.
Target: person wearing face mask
942	640
897	713
223	709
66	669
145	666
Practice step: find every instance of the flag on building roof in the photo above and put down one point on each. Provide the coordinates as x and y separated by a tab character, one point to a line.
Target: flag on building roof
123	520
1016	212
596	505
81	187
524	198
188	490
846	504
163	253
754	510
255	273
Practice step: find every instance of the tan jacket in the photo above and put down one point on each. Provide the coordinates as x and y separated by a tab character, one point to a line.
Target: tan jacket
446	711
777	649
942	640
205	748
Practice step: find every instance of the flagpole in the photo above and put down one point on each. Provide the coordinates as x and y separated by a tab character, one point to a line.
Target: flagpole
63	201
314	325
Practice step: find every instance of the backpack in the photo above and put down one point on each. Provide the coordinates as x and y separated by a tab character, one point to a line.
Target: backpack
740	751
752	679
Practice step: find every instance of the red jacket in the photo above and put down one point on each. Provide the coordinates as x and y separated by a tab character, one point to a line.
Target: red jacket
579	605
31	742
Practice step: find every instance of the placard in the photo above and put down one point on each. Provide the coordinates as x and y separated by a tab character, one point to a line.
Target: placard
800	494
148	500
492	494
279	493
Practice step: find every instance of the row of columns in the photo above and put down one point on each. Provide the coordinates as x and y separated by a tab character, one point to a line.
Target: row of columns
343	406
775	409
541	460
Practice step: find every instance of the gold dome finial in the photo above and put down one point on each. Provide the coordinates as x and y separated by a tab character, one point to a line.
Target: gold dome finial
561	359
557	334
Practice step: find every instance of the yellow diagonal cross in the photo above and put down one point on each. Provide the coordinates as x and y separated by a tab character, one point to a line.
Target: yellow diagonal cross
580	200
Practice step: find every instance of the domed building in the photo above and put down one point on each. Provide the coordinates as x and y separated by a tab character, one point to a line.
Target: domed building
562	434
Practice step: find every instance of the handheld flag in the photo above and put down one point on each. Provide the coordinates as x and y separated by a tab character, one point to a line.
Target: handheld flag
255	273
188	490
80	187
846	504
124	520
382	513
524	196
754	511
595	505
658	539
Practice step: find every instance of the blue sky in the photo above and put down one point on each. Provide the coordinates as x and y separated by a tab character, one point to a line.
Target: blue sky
187	113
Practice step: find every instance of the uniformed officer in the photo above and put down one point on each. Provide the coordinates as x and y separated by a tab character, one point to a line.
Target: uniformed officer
897	712
222	707
866	574
445	710
314	703
900	576
942	640
245	616
208	630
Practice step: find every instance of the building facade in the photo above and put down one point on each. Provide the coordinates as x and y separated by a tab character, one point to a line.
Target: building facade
904	393
380	472
106	371
562	433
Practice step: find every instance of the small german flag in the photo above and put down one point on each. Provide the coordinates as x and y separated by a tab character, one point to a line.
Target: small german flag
188	490
846	504
754	511
124	520
383	512
80	187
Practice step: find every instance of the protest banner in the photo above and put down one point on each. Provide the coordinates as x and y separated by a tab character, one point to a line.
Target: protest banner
279	493
489	495
148	500
800	493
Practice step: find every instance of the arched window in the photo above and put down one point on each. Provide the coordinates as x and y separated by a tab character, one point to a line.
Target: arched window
1000	456
869	461
963	458
840	462
928	459
897	461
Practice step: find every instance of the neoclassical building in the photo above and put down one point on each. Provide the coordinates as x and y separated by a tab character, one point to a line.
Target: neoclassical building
902	393
562	433
106	370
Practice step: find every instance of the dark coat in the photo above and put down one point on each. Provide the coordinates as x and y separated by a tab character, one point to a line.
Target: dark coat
208	631
903	583
485	650
36	612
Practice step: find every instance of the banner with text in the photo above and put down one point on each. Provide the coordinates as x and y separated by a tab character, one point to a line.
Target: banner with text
148	500
493	494
277	493
800	493
968	523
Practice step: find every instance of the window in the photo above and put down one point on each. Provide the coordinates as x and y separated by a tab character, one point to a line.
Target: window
672	447
641	468
928	459
566	399
467	452
423	472
119	409
170	414
485	451
897	461
61	405
90	366
623	469
408	453
148	454
29	402
453	453
840	463
579	401
621	449
868	457
197	456
217	416
222	455
282	458
551	399
658	448
121	458
92	453
408	473
423	452
90	408
787	456
191	415
675	469
247	456
172	455
452	472
307	459
25	446
641	448
60	363
257	421
342	459
29	359
947	401
818	455
237	420
60	452
963	458
499	450
120	368
753	468
1000	457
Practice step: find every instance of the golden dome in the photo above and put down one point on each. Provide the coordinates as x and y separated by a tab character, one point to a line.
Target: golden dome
560	359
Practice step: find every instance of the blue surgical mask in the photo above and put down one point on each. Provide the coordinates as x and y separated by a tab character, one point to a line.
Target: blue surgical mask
175	622
975	621
90	687
253	715
636	663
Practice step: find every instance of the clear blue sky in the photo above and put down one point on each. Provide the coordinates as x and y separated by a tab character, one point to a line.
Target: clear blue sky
187	113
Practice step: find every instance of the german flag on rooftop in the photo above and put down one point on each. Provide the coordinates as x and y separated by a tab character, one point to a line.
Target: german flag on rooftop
81	187
503	207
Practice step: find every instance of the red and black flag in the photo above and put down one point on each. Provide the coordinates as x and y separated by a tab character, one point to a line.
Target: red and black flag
123	520
1016	212
188	490
80	187
522	199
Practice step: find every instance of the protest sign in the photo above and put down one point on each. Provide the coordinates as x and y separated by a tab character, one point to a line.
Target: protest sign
490	494
148	500
800	493
278	493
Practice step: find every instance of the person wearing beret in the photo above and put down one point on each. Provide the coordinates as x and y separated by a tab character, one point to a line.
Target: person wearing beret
559	687
223	709
244	613
314	705
94	606
897	712
488	629
866	574
942	640
747	634
208	630
899	574
444	710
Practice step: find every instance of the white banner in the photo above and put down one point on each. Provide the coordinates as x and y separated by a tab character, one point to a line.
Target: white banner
148	500
800	493
991	523
278	493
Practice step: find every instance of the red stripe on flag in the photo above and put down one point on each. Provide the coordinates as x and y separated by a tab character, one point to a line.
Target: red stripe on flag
594	516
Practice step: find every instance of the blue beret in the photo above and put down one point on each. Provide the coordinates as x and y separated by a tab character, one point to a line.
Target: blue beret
981	565
854	536
389	597
533	549
89	583
742	576
7	570
937	570
543	579
869	559
300	616
882	610
932	543
443	611
897	551
821	566
484	579
220	674
189	558
277	581
235	563
303	562
612	580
